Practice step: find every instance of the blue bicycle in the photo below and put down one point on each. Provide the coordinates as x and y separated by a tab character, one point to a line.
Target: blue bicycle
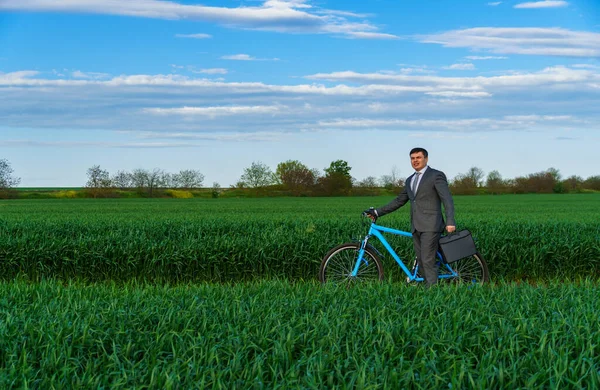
360	261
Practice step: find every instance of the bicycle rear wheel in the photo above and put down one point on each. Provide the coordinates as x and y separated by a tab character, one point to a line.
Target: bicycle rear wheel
471	270
338	264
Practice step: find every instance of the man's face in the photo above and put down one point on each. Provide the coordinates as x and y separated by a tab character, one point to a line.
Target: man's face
418	161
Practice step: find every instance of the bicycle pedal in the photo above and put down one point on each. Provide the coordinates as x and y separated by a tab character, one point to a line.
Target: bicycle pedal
412	272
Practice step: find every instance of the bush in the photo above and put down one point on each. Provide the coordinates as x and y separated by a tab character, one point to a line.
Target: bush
179	194
67	194
7	193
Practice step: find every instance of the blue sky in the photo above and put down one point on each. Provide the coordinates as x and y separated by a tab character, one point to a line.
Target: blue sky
512	86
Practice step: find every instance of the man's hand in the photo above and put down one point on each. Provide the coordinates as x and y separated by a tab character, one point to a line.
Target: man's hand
450	229
371	214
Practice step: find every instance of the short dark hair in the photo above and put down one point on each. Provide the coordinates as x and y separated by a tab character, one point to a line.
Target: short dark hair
417	150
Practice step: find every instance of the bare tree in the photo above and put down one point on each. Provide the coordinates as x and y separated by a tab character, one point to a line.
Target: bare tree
316	175
122	180
239	184
467	183
476	175
494	182
6	179
494	179
257	175
573	183
140	178
155	180
168	180
393	180
592	183
368	182
539	182
98	180
555	173
189	178
97	177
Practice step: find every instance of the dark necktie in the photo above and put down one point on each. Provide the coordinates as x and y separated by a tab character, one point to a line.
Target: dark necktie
415	182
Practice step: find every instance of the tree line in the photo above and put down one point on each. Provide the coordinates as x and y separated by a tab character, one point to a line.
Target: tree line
142	179
292	177
298	179
474	181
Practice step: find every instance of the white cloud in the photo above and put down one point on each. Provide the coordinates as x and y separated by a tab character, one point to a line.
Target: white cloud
481	58
24	79
182	104
211	71
189	137
522	40
563	77
90	75
542	4
260	136
239	57
536	118
374	84
371	35
246	57
416	69
215	111
342	13
196	70
453	94
194	36
283	4
586	66
273	15
18	75
462	124
460	67
94	144
494	3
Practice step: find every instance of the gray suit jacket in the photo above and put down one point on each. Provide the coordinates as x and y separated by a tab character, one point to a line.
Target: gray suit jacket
426	204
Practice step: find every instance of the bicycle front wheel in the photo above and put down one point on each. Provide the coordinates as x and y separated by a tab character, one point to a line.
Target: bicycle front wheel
338	264
472	269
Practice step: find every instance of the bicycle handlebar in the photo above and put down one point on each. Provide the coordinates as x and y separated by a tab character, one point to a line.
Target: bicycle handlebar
370	213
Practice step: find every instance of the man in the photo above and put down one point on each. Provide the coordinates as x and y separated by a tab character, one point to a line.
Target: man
426	189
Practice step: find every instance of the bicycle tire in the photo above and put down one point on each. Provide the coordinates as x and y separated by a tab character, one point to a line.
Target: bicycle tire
472	269
339	262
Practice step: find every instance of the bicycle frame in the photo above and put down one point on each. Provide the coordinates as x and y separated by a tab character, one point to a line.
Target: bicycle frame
377	230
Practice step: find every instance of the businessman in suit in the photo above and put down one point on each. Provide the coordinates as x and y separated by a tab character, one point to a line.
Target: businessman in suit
426	189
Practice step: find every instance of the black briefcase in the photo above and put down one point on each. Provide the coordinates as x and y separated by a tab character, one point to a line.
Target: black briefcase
456	246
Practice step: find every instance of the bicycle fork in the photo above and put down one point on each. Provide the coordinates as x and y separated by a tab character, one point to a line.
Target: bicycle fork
361	257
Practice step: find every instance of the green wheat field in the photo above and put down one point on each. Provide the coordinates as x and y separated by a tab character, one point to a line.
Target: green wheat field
223	293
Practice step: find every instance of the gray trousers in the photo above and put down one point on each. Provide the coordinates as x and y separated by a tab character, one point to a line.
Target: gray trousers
426	245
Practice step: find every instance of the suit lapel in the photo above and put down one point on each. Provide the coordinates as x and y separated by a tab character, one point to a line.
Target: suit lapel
410	184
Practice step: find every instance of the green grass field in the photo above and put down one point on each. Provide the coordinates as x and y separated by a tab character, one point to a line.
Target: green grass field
281	335
222	293
181	240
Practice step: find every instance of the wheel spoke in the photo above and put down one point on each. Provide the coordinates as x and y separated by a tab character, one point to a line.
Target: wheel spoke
470	270
338	266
